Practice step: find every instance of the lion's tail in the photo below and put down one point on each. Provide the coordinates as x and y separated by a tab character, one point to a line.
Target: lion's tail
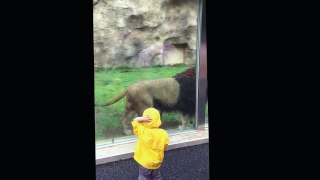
114	100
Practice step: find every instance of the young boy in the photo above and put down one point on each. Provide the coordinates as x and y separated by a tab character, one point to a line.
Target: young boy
152	141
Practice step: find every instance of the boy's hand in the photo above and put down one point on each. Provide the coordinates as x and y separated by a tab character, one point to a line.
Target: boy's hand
142	119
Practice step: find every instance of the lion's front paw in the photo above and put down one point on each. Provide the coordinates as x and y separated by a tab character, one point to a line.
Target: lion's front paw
128	132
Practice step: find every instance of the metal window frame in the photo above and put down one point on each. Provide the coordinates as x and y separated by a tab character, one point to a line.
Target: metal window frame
201	83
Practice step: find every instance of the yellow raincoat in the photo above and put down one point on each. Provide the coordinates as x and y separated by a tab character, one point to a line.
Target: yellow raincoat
152	140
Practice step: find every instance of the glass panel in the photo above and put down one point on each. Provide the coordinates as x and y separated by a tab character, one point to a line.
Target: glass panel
145	55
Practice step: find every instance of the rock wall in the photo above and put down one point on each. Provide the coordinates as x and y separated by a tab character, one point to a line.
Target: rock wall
144	32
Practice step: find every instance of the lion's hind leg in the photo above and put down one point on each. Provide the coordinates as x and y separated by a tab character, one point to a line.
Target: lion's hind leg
145	102
125	121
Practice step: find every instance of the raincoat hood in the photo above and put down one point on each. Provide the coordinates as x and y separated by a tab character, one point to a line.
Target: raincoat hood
154	114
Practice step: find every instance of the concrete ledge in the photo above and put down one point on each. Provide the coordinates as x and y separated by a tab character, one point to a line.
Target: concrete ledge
124	150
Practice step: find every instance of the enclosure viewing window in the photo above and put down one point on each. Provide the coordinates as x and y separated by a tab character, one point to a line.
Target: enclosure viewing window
146	54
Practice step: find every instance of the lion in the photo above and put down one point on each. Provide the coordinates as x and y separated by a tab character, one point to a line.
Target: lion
165	94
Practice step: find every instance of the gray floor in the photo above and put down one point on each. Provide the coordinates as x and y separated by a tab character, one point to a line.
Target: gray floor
190	163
